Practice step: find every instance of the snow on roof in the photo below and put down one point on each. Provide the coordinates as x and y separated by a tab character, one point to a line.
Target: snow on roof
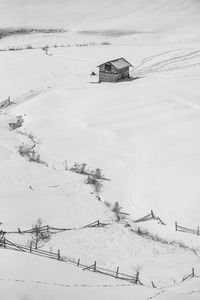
118	63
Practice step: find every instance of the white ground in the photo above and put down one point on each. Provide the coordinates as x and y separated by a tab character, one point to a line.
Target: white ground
143	134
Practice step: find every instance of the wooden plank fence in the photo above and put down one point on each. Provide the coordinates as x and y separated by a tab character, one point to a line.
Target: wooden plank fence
54	230
6	244
149	217
191	275
96	224
134	279
187	230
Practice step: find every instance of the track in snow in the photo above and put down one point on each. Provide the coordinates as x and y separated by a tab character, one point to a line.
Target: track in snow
169	61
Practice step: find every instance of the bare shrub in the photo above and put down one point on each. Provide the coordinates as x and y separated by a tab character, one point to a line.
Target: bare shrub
80	168
105	43
98	174
39	236
24	150
17	124
116	208
108	204
45	49
30	154
91	179
118	214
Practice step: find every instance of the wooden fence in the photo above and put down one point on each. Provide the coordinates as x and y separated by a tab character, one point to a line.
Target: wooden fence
149	217
188	230
6	244
54	230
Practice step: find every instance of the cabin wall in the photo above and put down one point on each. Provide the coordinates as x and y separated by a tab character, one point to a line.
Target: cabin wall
113	75
109	77
124	72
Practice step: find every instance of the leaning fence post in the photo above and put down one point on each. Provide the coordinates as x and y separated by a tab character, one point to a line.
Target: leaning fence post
198	230
137	277
95	266
117	272
58	254
176	226
78	263
193	272
152	214
153	285
98	223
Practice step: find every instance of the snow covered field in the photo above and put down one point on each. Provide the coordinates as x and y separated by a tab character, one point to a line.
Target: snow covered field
143	134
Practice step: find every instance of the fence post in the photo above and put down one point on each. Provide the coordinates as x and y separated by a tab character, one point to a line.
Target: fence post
47	228
98	223
176	226
4	242
153	285
117	272
95	266
193	272
137	277
30	247
198	230
78	263
152	214
58	254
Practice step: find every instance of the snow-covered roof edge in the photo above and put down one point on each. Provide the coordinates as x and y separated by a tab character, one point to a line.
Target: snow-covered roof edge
118	63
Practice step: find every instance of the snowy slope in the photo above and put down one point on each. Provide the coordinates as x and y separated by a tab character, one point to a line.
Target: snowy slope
38	278
143	134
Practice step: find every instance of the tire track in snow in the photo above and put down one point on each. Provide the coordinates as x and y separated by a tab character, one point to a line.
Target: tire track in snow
176	62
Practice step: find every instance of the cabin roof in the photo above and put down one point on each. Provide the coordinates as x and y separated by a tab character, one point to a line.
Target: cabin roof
118	63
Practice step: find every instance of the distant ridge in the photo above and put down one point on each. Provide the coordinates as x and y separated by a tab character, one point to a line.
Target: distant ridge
130	15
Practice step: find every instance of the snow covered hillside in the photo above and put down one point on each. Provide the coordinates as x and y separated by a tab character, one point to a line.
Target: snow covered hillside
142	136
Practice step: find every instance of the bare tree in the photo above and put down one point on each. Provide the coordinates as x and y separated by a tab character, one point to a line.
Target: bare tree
39	235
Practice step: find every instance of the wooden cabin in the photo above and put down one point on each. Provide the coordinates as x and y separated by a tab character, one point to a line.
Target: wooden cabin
114	70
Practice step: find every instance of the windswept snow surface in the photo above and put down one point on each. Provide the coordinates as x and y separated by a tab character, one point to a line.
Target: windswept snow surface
143	134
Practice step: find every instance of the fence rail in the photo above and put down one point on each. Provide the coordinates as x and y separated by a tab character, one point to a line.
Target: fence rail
54	230
149	217
6	244
187	230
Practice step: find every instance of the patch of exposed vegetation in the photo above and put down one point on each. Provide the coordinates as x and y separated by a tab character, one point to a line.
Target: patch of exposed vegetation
30	47
17	124
82	168
39	237
91	179
114	33
30	154
154	237
19	31
94	177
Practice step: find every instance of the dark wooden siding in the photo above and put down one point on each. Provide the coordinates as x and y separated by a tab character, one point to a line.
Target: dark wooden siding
113	75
